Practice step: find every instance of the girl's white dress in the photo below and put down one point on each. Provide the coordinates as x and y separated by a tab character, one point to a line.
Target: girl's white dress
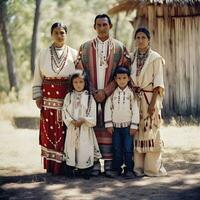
81	147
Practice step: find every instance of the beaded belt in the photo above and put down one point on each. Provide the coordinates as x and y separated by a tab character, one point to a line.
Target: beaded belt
140	92
55	78
52	103
55	81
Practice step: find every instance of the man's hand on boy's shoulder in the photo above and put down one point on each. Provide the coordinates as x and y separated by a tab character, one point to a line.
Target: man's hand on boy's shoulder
99	96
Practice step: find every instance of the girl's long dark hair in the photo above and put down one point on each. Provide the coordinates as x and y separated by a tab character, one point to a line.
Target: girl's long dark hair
82	74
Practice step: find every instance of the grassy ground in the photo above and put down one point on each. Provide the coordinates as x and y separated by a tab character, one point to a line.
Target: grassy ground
22	176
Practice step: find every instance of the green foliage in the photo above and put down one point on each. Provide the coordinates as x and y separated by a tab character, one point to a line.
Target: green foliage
78	15
3	2
19	24
4	83
9	97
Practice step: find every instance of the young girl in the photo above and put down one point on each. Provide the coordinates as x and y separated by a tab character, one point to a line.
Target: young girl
79	115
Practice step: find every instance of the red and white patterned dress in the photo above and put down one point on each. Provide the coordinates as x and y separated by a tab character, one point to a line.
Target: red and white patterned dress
51	83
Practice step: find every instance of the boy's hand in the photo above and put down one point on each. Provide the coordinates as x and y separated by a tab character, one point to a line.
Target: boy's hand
110	130
133	132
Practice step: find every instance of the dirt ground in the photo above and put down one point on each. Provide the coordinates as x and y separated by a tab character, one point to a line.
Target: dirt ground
22	176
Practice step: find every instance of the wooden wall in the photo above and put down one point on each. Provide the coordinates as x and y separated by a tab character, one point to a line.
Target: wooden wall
176	36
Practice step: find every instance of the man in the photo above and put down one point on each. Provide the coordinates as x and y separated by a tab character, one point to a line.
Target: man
99	57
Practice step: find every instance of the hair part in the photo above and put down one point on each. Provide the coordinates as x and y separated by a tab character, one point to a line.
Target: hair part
58	25
100	16
143	30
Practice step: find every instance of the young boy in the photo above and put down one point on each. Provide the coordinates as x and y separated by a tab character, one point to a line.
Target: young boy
122	120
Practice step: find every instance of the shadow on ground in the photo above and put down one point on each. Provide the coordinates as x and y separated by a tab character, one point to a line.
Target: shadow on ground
181	183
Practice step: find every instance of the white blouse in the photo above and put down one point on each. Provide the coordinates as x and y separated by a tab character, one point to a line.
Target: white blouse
43	68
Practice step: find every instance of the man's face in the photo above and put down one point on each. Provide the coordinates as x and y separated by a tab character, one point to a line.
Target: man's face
102	28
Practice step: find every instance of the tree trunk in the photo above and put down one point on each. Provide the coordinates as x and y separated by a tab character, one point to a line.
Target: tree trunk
8	47
34	35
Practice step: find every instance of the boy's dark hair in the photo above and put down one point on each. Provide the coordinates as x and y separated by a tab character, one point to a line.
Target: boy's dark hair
122	70
102	16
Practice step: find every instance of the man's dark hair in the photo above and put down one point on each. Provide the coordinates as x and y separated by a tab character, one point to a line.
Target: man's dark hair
102	16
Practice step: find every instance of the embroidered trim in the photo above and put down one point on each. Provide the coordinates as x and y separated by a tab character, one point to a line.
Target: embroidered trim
134	124
89	162
45	132
144	144
106	122
36	86
37	92
121	125
103	59
140	60
50	154
55	81
52	103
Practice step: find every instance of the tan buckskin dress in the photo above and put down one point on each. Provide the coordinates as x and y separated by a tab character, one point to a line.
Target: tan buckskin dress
148	144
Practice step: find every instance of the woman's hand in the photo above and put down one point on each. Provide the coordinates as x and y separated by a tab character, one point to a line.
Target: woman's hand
110	130
133	132
151	109
39	102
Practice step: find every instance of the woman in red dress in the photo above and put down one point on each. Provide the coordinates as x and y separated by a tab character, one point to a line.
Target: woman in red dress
50	85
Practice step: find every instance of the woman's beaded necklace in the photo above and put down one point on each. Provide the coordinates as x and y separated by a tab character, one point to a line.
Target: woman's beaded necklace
58	62
140	60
